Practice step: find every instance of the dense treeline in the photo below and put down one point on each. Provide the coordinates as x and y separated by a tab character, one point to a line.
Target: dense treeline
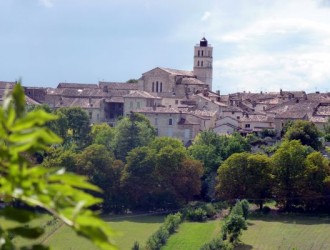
296	176
139	171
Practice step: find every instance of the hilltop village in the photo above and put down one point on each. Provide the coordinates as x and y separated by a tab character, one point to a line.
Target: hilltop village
182	103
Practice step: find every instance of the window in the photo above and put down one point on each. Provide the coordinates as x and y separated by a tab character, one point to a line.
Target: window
201	63
247	125
198	53
90	115
170	121
202	54
176	101
153	87
138	105
161	87
238	117
198	64
157	86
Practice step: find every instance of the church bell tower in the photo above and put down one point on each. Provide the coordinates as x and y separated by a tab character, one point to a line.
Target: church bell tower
203	60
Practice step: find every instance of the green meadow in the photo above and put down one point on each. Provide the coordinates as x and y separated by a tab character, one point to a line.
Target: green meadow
286	232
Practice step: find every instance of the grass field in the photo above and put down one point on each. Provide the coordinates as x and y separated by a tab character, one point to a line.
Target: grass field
192	235
286	232
137	228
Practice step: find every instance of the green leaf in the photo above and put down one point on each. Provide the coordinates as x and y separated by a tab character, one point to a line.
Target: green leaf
19	215
19	99
30	233
32	119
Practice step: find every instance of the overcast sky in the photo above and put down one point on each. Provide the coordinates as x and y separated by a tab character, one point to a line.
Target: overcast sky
259	45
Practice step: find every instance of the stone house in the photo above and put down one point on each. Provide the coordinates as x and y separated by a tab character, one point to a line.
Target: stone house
226	125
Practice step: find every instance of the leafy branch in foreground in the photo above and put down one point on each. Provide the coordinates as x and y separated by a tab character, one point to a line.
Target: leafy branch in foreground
61	194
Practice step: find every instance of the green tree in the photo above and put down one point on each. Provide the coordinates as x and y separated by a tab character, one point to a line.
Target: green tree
234	225
210	148
61	125
59	193
78	124
317	170
61	156
161	175
306	132
97	163
102	134
245	175
138	179
288	168
132	131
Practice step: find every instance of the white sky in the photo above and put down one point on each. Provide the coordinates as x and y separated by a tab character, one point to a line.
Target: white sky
259	45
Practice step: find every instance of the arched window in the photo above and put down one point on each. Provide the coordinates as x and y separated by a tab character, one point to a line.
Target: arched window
198	64
153	87
202	52
198	52
157	86
201	63
161	87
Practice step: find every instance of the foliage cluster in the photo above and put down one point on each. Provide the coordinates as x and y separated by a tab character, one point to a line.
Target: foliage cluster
200	211
294	176
136	170
212	149
62	194
159	238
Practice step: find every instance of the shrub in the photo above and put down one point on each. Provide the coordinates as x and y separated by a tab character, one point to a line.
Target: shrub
198	214
159	238
237	209
172	222
245	207
234	226
210	210
220	205
216	244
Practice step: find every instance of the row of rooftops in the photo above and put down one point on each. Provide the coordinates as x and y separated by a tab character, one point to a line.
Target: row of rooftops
283	104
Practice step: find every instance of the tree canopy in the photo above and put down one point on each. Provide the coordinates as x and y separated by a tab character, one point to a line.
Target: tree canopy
132	131
304	131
